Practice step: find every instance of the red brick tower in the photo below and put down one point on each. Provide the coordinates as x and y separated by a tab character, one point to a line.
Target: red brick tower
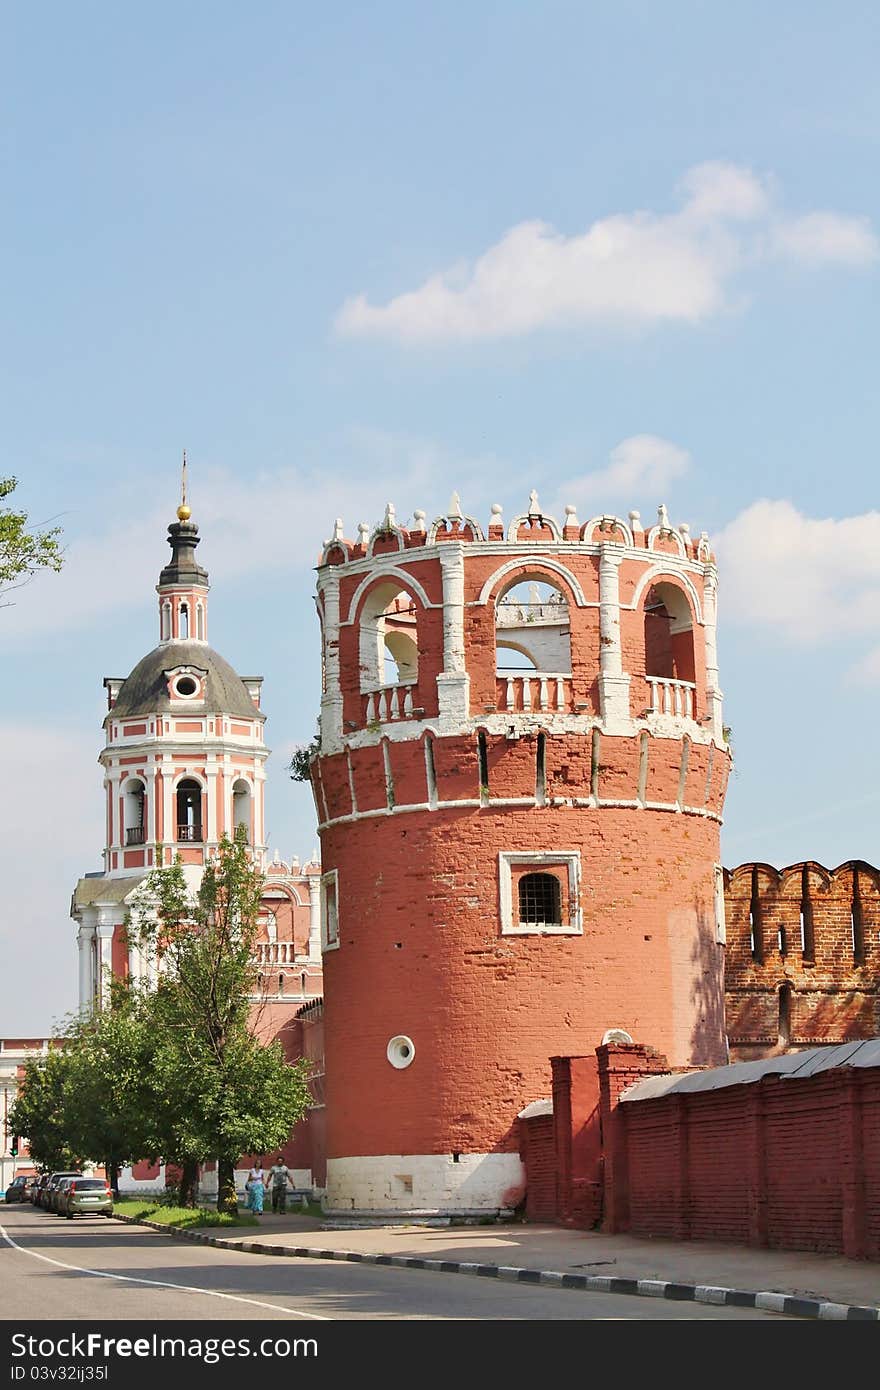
519	787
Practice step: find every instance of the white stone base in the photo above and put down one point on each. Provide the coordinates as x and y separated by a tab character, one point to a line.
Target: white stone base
426	1184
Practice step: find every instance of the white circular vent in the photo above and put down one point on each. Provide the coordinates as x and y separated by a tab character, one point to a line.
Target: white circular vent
616	1035
400	1052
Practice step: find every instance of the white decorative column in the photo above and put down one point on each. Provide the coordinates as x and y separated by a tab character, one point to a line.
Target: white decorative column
714	697
105	954
613	684
168	809
315	917
331	699
150	819
212	829
260	806
453	682
85	938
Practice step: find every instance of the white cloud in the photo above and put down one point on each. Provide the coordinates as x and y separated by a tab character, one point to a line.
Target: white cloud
632	269
642	464
807	579
826	238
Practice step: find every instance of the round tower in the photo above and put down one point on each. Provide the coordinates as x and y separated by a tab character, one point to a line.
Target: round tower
519	782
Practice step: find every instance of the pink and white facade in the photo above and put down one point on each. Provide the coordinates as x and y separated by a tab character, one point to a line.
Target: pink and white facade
184	764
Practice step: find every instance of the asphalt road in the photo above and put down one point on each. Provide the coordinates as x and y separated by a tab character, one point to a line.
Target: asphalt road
96	1269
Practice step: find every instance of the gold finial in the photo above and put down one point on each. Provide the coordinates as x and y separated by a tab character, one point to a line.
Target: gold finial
184	512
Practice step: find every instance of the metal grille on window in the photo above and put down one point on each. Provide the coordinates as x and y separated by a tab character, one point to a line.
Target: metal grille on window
539	899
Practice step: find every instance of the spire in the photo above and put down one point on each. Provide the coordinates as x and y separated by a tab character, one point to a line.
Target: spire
183	584
183	537
183	511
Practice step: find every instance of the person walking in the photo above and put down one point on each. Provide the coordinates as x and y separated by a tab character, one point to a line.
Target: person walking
279	1181
256	1187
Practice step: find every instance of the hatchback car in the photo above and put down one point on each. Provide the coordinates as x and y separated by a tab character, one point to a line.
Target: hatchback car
15	1192
79	1196
47	1193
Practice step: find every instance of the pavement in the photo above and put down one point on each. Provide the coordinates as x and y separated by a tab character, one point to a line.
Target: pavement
799	1283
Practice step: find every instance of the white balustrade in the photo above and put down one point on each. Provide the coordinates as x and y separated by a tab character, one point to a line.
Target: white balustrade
389	702
535	690
670	696
275	953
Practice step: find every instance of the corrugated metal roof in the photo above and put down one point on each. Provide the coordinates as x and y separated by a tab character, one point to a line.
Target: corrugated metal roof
790	1066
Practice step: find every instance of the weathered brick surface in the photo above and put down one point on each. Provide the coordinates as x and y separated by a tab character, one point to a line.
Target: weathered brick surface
793	930
421	954
539	1156
790	1164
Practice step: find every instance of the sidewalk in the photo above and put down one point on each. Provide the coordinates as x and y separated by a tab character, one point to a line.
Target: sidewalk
798	1282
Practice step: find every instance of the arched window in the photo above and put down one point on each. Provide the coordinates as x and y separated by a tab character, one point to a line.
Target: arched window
532	629
189	810
166	621
241	805
200	622
389	641
540	899
669	634
183	618
133	805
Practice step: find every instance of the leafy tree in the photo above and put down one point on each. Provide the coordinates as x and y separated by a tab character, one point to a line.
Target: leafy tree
23	551
108	1088
38	1111
220	1092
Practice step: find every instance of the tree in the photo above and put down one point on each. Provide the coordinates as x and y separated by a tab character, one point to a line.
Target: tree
24	551
220	1091
109	1088
38	1111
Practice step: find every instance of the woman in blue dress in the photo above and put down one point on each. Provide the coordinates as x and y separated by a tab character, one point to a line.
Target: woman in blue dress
256	1188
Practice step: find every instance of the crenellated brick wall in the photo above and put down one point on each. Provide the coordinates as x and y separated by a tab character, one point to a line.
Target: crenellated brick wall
802	963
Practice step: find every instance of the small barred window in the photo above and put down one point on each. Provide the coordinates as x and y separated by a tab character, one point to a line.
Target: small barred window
539	899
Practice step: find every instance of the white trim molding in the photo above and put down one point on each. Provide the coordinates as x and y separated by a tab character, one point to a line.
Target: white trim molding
568	860
330	935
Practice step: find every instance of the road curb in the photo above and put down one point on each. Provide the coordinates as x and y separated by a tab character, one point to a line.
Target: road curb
767	1300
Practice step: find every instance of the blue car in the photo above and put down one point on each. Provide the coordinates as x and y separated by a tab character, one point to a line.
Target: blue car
15	1192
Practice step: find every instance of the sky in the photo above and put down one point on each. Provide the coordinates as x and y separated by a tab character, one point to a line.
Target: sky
624	255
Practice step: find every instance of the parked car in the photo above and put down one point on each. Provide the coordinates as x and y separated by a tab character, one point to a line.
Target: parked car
79	1196
37	1190
56	1192
47	1193
30	1187
16	1189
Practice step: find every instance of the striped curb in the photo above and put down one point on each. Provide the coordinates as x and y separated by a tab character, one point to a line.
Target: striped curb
789	1304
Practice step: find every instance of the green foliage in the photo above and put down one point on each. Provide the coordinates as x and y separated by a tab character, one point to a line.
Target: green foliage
174	1072
219	1091
166	1214
109	1094
24	551
38	1111
300	762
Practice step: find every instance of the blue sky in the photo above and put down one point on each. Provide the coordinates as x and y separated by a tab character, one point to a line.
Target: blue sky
622	254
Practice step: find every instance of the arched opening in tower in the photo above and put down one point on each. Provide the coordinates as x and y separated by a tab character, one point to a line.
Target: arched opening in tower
189	810
133	804
532	629
389	638
669	634
241	807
